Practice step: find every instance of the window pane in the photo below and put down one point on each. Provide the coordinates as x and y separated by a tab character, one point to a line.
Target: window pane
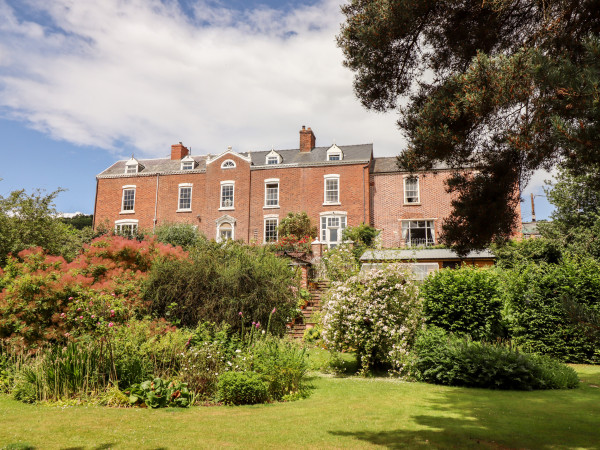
130	169
272	194
128	199
324	229
185	198
226	195
272	160
270	230
331	190
187	165
334	157
333	235
411	190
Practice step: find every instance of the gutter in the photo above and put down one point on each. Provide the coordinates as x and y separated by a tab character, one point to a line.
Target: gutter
95	206
155	205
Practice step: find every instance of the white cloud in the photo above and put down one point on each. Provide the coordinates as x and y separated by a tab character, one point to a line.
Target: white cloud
140	75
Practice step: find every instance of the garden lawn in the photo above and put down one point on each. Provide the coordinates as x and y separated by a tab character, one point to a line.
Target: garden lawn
341	412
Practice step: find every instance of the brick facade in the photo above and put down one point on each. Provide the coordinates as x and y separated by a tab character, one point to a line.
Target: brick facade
370	190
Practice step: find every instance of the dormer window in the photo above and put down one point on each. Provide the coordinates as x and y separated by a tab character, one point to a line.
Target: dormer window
229	164
188	163
334	153
273	158
132	166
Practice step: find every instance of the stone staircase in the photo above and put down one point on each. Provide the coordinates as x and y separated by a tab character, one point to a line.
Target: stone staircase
306	318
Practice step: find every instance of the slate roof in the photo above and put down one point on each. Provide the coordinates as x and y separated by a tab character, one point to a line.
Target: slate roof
352	154
389	164
421	254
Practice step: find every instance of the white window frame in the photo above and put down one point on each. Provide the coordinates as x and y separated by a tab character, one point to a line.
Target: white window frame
272	160
324	227
135	168
429	225
222	221
225	164
406	198
119	224
326	178
334	150
271	181
270	218
187	165
221	202
130	187
181	187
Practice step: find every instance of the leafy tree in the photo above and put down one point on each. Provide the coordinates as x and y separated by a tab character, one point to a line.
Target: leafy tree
29	220
363	236
504	86
183	234
575	222
79	221
298	225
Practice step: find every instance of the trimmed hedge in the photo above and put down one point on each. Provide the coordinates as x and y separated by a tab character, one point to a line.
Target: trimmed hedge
535	296
450	360
465	301
242	388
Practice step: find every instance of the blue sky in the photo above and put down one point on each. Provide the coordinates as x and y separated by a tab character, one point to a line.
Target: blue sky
84	83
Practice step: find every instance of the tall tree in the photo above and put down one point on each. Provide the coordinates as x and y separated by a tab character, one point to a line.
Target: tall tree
503	86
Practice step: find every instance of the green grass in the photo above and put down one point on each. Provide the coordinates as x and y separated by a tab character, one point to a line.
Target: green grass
341	413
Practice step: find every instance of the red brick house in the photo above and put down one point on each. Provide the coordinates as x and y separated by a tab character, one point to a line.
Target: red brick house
244	195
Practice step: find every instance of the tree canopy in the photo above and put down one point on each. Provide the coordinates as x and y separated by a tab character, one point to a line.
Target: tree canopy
502	86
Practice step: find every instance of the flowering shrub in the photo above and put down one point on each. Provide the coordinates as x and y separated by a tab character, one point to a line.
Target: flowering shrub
294	243
376	314
339	263
47	298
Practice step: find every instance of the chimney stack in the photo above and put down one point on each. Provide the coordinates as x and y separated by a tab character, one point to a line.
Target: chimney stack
178	152
307	139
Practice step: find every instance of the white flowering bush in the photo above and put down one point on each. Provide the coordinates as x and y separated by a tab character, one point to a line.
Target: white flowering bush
339	263
376	314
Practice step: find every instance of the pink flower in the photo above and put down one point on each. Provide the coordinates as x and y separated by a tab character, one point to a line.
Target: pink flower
93	315
80	317
98	323
274	309
112	312
240	313
70	298
78	309
253	323
62	315
110	324
91	303
113	294
67	334
257	324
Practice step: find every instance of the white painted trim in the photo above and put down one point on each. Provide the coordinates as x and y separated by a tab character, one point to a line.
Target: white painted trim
276	218
267	182
226	207
228	182
325	179
333	213
404	179
331	175
129	186
229	167
231	152
271	216
124	221
186	184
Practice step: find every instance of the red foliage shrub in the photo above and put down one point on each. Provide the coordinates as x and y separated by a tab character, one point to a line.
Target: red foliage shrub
44	297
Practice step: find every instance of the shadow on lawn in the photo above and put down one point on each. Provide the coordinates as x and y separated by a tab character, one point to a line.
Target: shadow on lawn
463	418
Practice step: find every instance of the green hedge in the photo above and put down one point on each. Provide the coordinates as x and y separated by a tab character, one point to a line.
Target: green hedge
465	301
443	358
535	297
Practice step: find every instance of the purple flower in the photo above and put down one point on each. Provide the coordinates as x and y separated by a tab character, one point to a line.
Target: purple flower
257	324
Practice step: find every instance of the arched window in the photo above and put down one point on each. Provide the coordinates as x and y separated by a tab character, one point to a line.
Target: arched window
228	164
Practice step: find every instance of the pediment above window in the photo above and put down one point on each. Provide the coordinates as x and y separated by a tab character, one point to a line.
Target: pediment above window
225	218
273	158
188	163
334	153
133	166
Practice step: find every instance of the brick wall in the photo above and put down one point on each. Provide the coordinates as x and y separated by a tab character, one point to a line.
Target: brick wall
389	209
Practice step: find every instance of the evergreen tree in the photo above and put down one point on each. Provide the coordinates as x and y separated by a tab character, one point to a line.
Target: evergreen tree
503	86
